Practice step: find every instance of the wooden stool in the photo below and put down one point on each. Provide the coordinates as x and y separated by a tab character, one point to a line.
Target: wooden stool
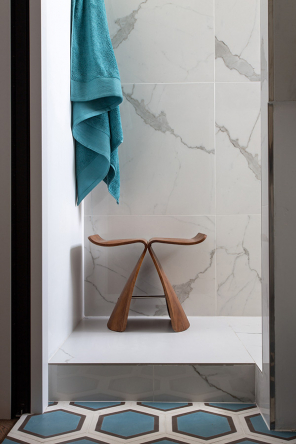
119	316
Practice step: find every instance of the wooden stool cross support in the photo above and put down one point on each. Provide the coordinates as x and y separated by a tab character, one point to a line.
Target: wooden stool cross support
119	316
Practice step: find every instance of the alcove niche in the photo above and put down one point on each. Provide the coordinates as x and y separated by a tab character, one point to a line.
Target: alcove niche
190	163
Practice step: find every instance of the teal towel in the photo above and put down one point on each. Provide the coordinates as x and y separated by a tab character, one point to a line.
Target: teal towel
95	95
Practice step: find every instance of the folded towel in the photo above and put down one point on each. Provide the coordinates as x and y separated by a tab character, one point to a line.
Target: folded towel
95	95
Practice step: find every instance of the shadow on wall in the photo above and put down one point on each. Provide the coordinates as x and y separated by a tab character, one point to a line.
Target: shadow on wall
76	259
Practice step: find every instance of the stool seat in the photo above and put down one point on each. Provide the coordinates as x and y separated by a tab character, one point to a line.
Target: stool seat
119	316
98	240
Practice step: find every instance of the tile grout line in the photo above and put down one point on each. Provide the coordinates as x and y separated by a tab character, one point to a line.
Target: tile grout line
172	215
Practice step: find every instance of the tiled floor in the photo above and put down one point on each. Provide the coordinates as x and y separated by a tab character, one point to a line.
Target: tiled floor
146	422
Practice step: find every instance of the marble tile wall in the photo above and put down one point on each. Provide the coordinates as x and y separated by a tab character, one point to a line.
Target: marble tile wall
191	157
177	383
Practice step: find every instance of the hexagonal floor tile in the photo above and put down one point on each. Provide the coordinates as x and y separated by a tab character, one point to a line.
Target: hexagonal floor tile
202	424
10	440
246	441
127	424
233	407
257	425
165	406
54	423
164	441
83	440
94	406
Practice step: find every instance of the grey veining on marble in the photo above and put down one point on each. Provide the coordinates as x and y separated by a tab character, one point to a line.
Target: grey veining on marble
233	61
219	383
184	290
237	40
126	25
238	265
158	122
106	270
159	40
191	154
238	150
183	383
252	160
165	158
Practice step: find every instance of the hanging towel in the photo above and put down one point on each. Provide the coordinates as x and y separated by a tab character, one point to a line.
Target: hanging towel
95	95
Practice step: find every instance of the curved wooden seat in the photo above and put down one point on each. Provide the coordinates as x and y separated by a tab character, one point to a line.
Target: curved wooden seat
98	240
200	237
178	317
119	316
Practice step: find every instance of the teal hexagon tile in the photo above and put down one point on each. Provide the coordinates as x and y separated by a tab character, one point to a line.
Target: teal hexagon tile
52	423
245	441
94	406
165	406
257	425
127	424
165	440
203	424
83	440
233	407
10	440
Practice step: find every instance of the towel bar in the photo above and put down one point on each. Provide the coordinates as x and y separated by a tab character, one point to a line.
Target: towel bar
119	316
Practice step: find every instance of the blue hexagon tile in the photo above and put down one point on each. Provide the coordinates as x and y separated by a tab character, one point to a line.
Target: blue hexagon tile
10	440
149	422
165	440
246	441
165	406
257	426
95	406
203	424
54	423
128	424
231	407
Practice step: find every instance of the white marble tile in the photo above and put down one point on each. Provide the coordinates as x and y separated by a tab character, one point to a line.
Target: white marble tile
253	343
167	158
238	148
225	383
246	324
160	40
239	265
209	340
100	382
237	32
191	270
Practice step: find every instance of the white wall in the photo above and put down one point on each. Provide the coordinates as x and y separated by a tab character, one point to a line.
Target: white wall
5	228
62	220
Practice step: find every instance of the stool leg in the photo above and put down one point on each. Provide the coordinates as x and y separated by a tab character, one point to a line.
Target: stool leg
178	317
118	318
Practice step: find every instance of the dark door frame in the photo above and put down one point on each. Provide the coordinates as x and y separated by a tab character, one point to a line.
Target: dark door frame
20	208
